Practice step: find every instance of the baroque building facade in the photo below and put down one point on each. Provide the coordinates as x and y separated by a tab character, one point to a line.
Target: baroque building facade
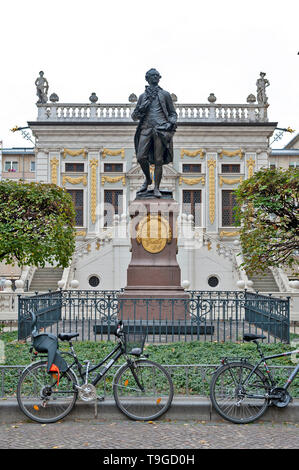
89	150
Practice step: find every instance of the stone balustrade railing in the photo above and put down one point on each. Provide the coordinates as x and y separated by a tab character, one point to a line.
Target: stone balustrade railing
112	112
282	280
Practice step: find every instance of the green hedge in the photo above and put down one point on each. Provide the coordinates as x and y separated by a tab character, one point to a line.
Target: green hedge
208	353
192	352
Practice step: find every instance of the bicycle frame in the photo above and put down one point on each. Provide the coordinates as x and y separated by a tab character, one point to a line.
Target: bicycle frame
117	353
263	360
291	377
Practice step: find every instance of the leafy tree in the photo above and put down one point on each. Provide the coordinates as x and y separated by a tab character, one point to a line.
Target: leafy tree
269	214
36	224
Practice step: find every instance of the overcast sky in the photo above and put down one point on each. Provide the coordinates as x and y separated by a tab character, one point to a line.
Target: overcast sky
198	47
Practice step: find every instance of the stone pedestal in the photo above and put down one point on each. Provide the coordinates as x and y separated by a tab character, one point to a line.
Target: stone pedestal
153	290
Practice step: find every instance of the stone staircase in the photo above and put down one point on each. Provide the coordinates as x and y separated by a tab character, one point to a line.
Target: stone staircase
264	282
45	279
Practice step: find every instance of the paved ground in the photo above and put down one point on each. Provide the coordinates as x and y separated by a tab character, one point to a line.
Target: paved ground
151	435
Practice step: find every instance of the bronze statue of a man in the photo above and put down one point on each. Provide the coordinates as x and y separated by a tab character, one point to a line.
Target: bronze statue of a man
157	125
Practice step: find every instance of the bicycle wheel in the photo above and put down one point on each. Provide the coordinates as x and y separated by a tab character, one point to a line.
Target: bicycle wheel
238	396
42	398
144	394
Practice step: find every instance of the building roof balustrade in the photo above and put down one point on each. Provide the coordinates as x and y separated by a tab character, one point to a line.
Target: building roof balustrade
121	112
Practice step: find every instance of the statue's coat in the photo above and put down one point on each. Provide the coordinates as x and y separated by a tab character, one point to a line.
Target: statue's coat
166	137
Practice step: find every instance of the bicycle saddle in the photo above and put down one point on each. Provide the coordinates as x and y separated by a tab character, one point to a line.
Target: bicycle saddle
251	337
67	336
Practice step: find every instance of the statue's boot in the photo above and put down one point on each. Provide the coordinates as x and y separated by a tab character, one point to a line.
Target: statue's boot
157	192
144	186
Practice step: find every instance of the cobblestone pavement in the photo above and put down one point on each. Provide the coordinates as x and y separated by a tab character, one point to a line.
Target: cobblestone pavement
94	434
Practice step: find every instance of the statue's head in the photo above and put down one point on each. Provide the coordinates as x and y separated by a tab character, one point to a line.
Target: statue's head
262	74
41	73
152	76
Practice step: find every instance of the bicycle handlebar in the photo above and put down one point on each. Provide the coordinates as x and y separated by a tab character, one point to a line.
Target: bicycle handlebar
119	329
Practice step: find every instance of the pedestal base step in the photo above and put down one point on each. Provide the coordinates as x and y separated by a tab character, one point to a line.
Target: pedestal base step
158	328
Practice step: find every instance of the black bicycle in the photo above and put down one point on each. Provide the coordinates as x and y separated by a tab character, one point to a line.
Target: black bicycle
48	389
241	393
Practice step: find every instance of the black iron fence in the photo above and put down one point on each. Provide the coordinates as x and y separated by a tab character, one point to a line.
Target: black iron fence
261	309
204	316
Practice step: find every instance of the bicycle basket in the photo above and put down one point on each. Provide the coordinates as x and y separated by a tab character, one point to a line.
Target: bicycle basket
134	343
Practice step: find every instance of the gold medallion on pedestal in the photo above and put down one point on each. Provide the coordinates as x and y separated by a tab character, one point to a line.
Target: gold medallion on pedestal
153	232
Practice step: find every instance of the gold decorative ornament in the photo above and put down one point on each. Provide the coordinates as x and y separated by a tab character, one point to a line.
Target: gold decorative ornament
98	246
189	153
230	180
229	234
250	165
153	232
113	179
212	166
231	154
81	233
54	164
76	180
93	190
191	181
74	153
113	153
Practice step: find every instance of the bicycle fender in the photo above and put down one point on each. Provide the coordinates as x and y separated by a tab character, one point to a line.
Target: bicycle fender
32	364
119	369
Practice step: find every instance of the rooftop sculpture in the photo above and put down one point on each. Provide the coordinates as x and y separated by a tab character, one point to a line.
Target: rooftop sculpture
42	87
261	84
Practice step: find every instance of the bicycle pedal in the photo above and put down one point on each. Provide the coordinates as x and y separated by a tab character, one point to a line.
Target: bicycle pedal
100	398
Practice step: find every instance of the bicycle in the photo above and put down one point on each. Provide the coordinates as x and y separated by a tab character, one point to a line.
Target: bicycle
241	393
46	393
